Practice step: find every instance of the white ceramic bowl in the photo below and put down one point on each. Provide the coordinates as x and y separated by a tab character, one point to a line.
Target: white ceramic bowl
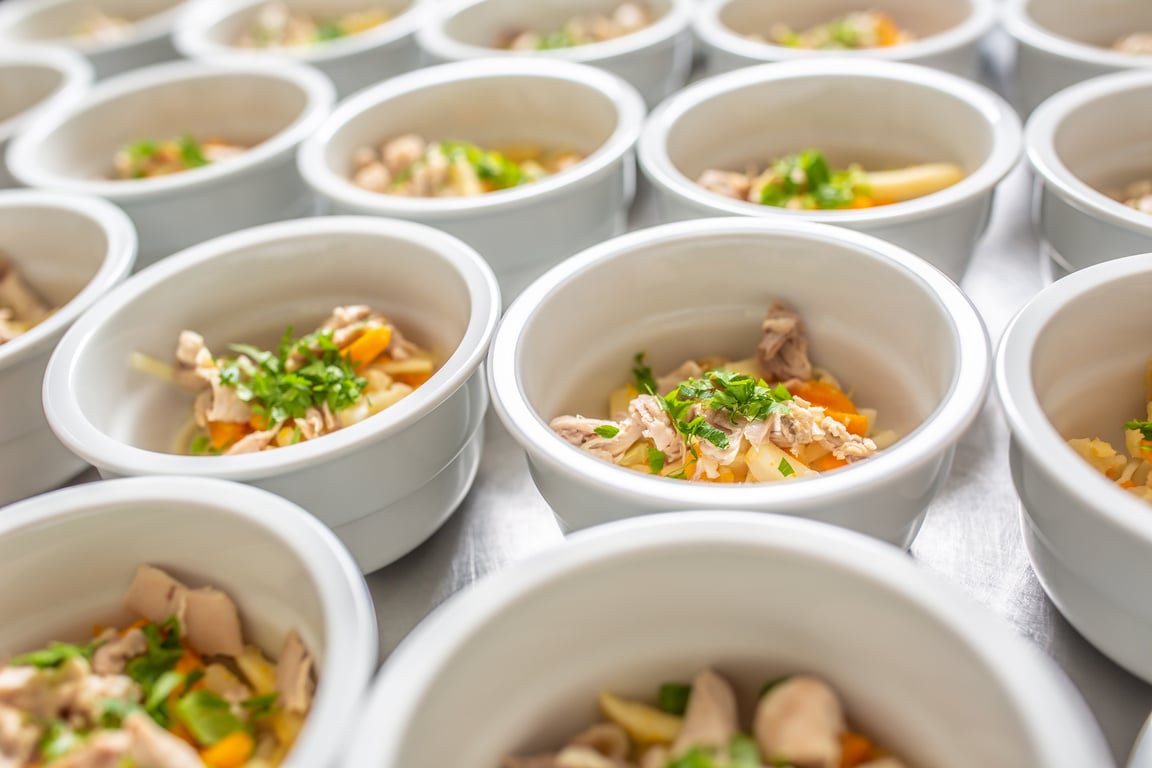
918	353
633	605
877	113
385	484
1092	137
34	78
73	250
1062	42
948	32
74	553
55	21
495	102
655	59
1072	365
271	106
208	29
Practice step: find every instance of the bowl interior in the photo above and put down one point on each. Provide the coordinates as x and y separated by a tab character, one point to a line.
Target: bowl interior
706	296
77	568
671	611
58	251
228	28
250	295
242	107
1106	142
62	19
876	122
485	23
920	17
1090	381
24	85
1100	23
492	111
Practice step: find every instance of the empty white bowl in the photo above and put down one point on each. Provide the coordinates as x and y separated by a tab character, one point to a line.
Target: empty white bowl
74	552
1089	138
271	107
496	102
148	41
72	250
1062	42
208	29
655	60
34	78
919	355
1071	365
948	32
385	484
876	113
634	605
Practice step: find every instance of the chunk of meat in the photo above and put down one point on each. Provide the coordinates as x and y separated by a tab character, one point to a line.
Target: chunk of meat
712	457
585	757
317	422
783	349
845	445
18	738
402	151
294	675
608	739
43	693
710	720
581	432
153	747
689	370
220	680
655	757
253	442
800	722
85	698
155	595
105	749
657	426
213	623
196	371
15	294
726	183
111	657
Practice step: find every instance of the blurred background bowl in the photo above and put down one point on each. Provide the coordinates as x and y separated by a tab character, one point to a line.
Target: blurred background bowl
919	355
384	484
69	552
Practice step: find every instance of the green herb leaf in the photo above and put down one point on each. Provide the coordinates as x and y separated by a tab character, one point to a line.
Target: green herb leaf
1145	428
191	153
156	705
743	752
645	381
113	712
656	459
261	706
673	697
55	655
58	741
697	757
785	468
164	650
330	29
607	431
207	716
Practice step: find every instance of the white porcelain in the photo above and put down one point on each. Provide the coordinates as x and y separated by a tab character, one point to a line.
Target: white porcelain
72	250
271	106
385	484
55	21
894	329
655	60
74	552
1062	42
1072	365
494	102
876	113
1092	137
34	78
948	32
208	29
633	605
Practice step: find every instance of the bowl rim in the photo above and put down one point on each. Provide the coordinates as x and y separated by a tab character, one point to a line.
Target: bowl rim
72	426
76	77
149	29
712	32
192	35
1000	118
628	103
351	638
941	428
1029	425
1018	23
24	149
1045	161
1019	669
117	262
435	40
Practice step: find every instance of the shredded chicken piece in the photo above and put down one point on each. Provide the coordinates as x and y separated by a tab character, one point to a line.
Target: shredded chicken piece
657	426
111	657
711	717
728	183
21	308
153	747
294	675
800	721
581	432
783	350
18	738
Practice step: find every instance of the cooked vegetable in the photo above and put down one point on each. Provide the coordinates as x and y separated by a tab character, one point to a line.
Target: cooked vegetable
585	29
853	31
142	696
21	308
758	420
411	167
805	181
146	159
276	25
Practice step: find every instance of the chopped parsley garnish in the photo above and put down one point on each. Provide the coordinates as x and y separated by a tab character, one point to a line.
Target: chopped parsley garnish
329	30
804	180
645	381
673	698
277	393
191	153
743	752
1145	428
737	394
151	668
656	459
607	431
786	468
58	741
259	707
490	166
554	40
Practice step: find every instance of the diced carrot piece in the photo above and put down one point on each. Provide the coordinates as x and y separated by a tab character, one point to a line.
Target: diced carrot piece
369	346
258	421
224	433
863	201
232	751
1127	484
823	394
412	379
189	661
827	463
857	423
887	32
855	750
138	624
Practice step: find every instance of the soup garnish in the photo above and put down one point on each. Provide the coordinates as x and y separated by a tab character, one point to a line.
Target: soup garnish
278	26
21	307
853	31
146	159
585	29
